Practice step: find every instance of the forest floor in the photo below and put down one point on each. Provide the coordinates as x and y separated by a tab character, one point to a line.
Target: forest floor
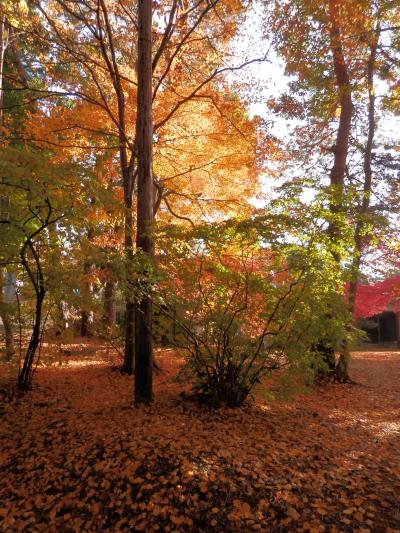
76	456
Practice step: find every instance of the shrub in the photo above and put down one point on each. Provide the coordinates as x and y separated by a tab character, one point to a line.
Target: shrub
244	308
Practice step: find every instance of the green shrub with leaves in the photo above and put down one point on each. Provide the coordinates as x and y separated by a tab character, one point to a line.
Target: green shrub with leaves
38	193
246	302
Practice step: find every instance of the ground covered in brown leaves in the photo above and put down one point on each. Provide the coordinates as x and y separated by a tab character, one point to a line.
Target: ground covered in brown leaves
76	456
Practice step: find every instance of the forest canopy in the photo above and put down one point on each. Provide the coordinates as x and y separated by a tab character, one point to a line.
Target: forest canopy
199	266
142	194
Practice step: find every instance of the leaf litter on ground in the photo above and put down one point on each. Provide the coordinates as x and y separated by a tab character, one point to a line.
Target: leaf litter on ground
77	456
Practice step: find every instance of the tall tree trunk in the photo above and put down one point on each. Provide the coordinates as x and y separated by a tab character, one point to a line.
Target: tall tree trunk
16	57
128	176
127	155
129	351
110	310
37	280
25	376
338	171
110	292
5	316
3	47
86	315
4	311
363	211
62	320
144	237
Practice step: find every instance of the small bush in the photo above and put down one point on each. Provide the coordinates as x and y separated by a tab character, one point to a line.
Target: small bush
243	309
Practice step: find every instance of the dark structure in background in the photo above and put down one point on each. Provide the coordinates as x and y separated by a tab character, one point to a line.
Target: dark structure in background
383	327
377	310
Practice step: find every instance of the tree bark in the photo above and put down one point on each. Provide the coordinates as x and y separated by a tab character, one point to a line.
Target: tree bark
85	323
338	171
37	280
86	316
16	57
4	311
110	310
25	376
127	161
62	320
129	351
144	238
364	208
3	47
128	177
5	316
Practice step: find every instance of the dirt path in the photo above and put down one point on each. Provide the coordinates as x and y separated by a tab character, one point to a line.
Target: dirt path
75	456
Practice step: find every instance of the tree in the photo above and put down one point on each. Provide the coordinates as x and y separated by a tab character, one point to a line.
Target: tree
12	14
247	297
4	306
363	210
333	61
41	196
341	146
102	87
144	231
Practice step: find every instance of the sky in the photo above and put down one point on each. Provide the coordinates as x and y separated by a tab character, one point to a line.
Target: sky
268	80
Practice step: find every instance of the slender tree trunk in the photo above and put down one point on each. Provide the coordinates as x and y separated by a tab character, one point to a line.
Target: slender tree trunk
128	176
37	279
8	333
127	153
6	320
144	238
25	377
110	291
129	352
3	46
363	212
4	311
110	311
86	316
62	320
16	57
338	170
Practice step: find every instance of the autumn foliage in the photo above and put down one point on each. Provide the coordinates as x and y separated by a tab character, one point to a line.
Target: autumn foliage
242	309
202	194
75	455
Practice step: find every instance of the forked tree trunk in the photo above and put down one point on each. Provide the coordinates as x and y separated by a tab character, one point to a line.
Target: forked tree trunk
127	153
342	367
144	238
37	279
25	376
